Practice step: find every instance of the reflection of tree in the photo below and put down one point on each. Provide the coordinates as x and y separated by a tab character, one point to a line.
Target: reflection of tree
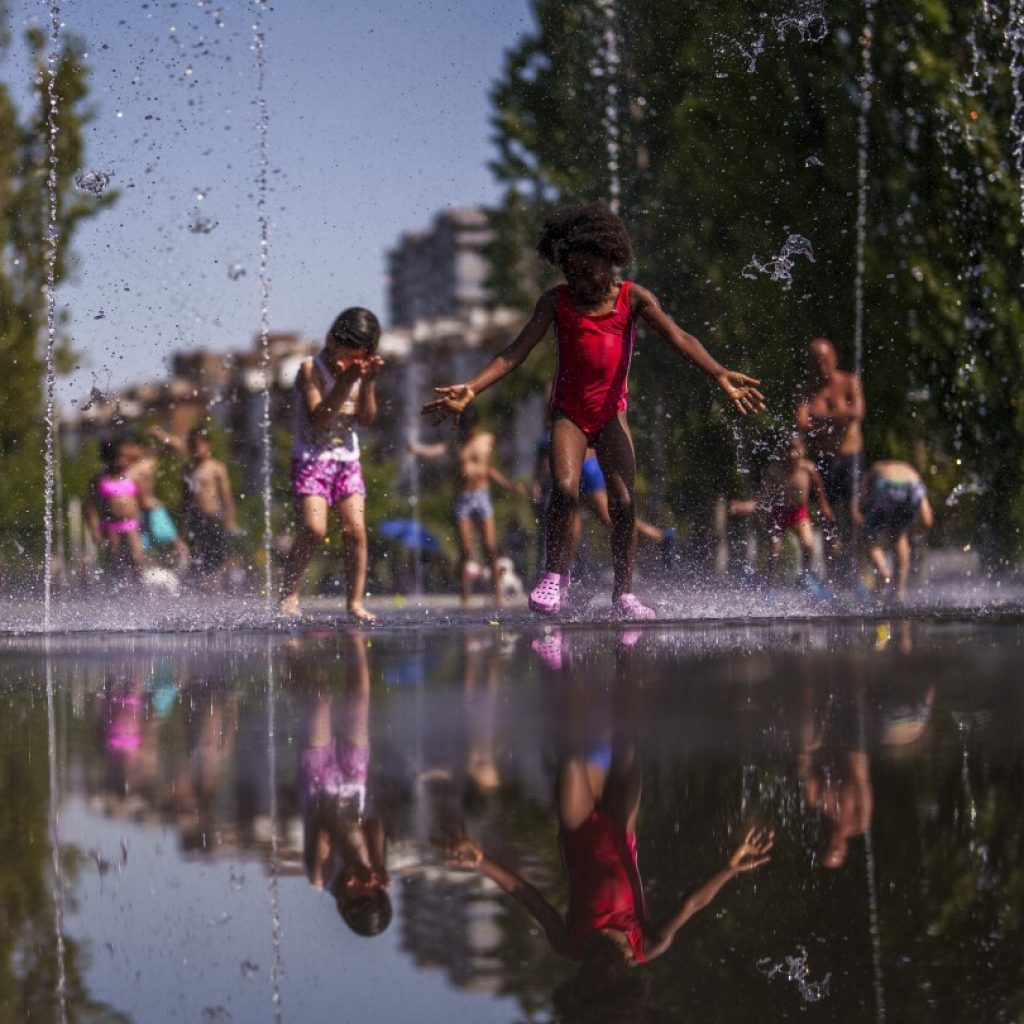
960	926
29	969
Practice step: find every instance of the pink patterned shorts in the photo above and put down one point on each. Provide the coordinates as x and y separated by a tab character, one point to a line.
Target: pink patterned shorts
327	478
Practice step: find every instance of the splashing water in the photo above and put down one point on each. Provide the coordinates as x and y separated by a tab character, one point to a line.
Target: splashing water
611	110
262	127
93	182
795	969
867	86
201	224
52	239
972	485
780	267
1014	34
808	21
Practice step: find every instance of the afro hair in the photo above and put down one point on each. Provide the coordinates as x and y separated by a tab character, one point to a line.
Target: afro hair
592	228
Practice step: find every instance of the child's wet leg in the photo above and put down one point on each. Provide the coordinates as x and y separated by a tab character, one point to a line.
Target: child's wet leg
311	534
568	450
489	536
618	463
351	518
464	536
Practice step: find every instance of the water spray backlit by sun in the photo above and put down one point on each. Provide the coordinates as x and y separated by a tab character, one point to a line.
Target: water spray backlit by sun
780	267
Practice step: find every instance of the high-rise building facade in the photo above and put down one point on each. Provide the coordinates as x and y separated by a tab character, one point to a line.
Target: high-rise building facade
441	272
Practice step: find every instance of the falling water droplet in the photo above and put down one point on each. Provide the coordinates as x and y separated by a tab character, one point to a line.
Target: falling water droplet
94	182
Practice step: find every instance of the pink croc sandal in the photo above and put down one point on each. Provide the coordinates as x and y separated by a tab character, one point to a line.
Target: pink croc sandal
628	606
547	595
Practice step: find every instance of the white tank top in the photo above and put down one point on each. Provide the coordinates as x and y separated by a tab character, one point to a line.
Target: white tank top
338	440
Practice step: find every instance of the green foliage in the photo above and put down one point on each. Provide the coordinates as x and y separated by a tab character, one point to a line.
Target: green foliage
23	231
717	168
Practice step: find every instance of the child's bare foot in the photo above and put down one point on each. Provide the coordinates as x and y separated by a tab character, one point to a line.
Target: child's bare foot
289	606
357	613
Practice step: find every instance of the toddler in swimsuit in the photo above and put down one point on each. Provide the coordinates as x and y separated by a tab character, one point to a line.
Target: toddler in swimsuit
334	392
595	317
789	486
114	514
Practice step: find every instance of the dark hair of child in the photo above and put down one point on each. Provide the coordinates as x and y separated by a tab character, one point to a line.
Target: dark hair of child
110	446
368	915
356	328
592	228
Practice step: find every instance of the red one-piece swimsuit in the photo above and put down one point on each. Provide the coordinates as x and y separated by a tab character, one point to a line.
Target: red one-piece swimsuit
605	890
593	362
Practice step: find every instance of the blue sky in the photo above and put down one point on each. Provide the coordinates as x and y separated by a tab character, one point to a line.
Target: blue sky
378	118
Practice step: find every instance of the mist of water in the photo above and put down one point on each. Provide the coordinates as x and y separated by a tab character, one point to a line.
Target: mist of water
52	238
263	126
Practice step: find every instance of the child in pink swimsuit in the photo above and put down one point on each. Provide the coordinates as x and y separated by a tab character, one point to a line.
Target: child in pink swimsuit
595	317
114	514
334	393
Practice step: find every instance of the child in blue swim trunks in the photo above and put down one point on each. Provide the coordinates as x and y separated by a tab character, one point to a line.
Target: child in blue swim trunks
893	501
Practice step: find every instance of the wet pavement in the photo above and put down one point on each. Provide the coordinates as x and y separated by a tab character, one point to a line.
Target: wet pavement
287	826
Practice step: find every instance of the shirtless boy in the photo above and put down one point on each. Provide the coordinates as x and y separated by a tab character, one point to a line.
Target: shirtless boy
474	473
207	506
893	500
787	490
829	413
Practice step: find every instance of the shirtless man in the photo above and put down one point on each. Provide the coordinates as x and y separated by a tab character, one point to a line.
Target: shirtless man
207	506
830	411
893	500
786	493
473	502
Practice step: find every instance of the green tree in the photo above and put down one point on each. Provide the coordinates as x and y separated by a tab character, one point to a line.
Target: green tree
739	128
23	228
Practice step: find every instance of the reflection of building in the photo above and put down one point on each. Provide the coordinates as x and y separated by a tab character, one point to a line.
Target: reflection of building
441	272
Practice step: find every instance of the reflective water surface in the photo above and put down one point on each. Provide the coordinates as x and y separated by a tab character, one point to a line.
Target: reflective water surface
515	825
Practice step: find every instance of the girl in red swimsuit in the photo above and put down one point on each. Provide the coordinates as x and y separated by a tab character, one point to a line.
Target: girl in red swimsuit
595	317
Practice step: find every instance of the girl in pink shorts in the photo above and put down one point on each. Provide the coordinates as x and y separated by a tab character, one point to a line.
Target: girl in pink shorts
334	393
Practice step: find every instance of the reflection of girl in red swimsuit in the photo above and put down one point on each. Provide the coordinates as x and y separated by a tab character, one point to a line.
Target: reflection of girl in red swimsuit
605	890
595	317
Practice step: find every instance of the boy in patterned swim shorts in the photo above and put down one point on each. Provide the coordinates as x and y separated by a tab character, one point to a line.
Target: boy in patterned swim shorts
334	393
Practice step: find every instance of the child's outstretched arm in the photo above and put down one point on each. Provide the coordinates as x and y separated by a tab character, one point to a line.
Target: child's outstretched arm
455	397
462	852
740	389
750	854
428	451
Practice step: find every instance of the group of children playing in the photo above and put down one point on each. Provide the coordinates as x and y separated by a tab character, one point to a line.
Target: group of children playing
126	520
595	317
